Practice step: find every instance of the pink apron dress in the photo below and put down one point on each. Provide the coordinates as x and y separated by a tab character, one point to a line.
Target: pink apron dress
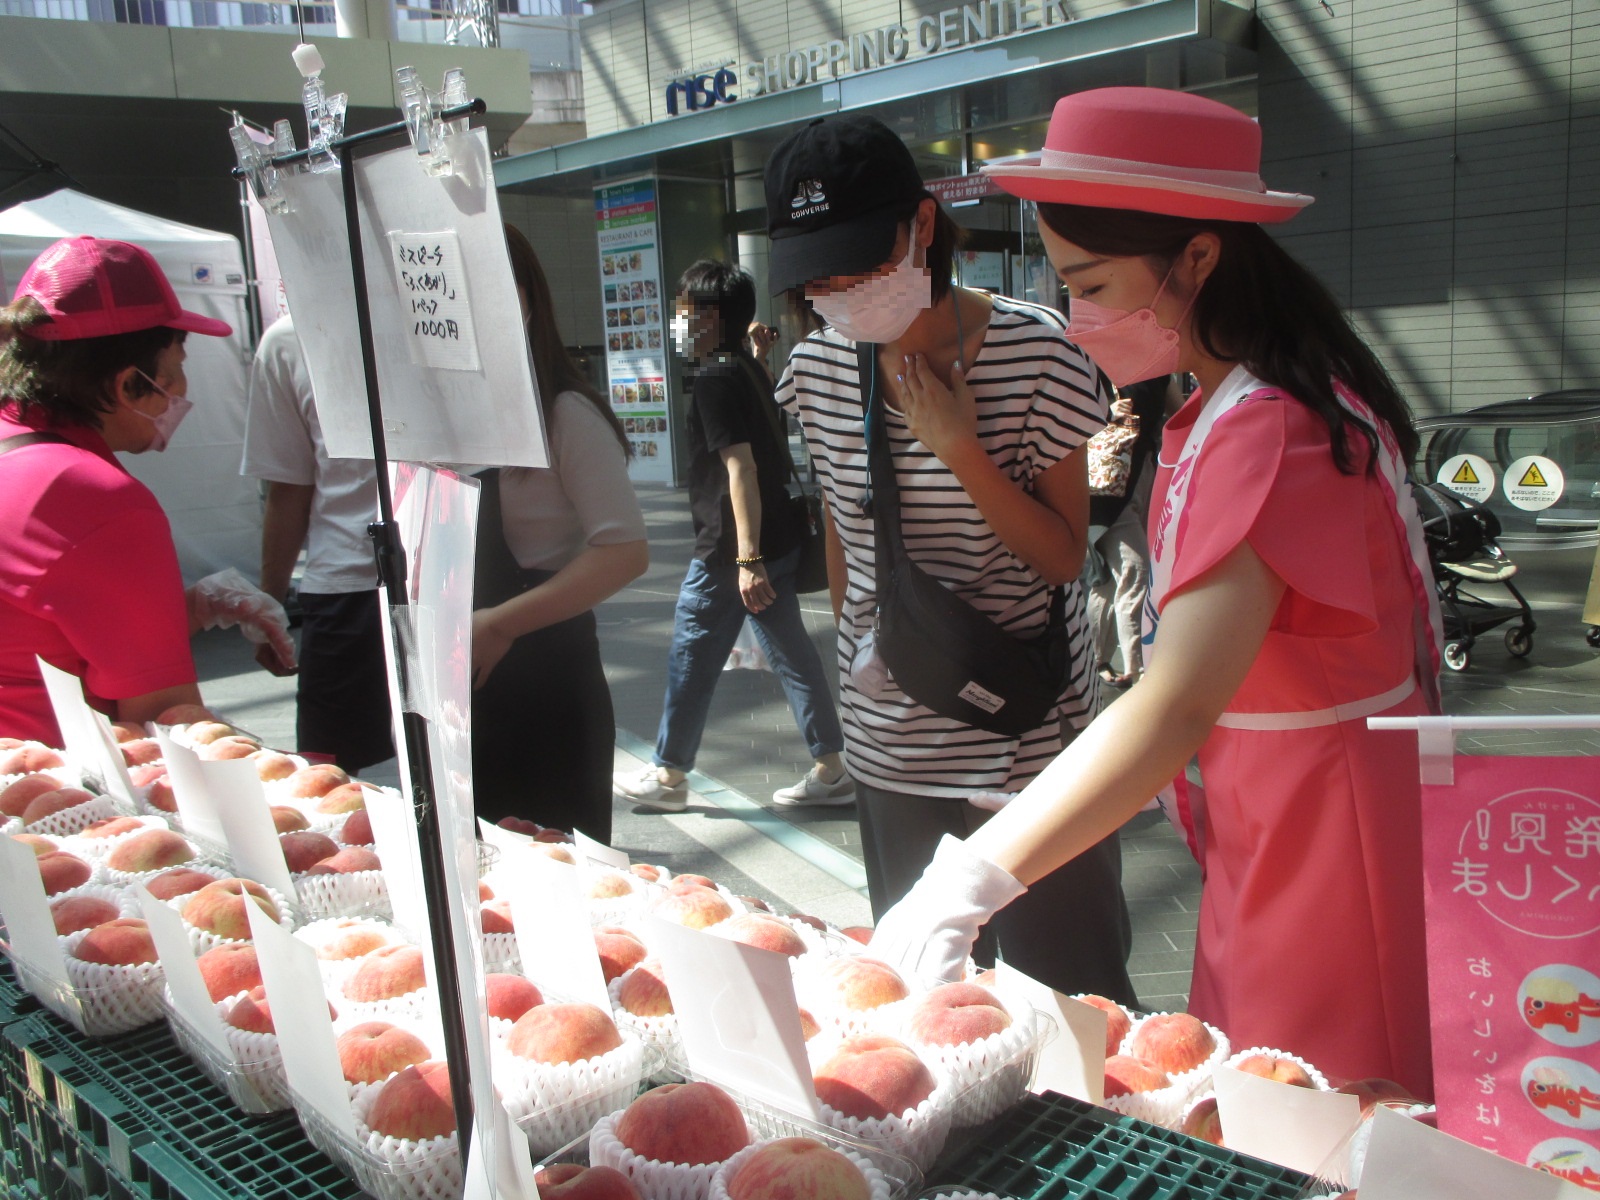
1308	828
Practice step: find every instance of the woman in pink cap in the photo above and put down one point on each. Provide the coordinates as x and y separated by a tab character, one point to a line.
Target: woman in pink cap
1290	600
91	362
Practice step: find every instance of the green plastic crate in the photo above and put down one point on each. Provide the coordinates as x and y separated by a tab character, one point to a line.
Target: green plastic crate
1055	1148
147	1114
15	1003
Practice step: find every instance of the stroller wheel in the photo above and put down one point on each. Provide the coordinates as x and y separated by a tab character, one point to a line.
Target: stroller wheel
1593	636
1456	656
1519	642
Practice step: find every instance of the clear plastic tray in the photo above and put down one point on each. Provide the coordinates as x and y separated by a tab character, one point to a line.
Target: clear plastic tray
257	1087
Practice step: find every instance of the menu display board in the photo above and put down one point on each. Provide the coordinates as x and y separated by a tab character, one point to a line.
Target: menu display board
637	308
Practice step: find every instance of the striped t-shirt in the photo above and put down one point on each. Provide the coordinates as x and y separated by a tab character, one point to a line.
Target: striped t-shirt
1038	400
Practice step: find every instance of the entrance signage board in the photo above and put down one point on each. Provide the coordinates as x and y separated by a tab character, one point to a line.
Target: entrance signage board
634	302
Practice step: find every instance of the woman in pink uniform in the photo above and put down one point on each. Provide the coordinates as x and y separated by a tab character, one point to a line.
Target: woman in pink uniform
1290	600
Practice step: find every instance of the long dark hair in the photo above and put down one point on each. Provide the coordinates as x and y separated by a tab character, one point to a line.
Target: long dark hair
552	365
1261	308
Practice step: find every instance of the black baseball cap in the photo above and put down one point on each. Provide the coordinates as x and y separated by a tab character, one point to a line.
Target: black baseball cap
837	190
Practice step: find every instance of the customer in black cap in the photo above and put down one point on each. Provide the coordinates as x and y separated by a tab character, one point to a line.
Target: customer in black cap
987	408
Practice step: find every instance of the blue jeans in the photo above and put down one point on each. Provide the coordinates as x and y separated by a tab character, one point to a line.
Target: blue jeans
706	623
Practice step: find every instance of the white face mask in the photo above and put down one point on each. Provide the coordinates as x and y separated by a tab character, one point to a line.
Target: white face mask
167	423
881	308
679	325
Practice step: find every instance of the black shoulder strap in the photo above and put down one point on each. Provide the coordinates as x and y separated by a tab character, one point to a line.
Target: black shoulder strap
769	408
18	440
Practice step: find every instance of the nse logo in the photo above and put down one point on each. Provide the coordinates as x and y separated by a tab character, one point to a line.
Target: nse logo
702	91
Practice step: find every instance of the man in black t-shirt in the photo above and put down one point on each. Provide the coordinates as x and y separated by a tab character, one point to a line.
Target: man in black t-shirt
746	550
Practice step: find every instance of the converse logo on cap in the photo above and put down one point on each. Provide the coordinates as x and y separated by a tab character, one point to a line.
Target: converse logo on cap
809	198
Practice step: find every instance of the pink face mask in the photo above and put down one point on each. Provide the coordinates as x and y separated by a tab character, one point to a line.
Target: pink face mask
167	423
1128	346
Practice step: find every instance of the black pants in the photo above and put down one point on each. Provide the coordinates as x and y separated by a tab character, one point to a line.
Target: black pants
1071	928
342	693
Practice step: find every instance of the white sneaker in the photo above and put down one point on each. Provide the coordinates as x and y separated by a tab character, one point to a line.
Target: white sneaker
812	789
647	788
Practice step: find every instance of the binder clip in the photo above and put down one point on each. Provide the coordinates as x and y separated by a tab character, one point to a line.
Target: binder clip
255	162
429	131
324	112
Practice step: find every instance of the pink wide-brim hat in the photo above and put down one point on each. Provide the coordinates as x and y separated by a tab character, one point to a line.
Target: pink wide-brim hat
1150	150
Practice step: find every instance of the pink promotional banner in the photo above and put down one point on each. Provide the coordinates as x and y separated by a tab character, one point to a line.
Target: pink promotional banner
1512	861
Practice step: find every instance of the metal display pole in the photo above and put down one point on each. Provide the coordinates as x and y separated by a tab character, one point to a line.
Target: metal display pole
386	551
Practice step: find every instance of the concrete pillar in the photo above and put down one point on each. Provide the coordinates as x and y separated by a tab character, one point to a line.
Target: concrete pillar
373	19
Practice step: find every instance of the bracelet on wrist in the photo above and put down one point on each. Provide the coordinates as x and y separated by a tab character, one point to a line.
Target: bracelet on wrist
749	562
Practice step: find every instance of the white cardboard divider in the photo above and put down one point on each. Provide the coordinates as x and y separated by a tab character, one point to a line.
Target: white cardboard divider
395	835
512	1175
198	809
1073	1062
29	926
86	734
598	852
189	994
1296	1127
507	841
554	937
1406	1160
737	1015
247	823
294	991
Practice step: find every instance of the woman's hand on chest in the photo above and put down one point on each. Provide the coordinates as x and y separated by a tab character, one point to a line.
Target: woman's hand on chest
944	419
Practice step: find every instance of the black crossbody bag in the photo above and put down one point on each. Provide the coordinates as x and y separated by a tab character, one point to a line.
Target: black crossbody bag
942	652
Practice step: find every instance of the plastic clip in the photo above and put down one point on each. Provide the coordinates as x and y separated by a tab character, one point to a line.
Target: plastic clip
422	108
255	162
324	112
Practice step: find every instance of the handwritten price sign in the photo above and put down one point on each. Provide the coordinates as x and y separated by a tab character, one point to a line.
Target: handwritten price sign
433	297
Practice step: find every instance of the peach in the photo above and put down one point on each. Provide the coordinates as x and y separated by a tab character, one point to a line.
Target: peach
609	885
872	1078
159	795
754	903
1117	1020
314	782
573	1181
138	753
646	872
356	941
1203	1122
229	970
375	1050
185	714
387	972
109	827
798	1168
559	853
124	942
128	731
1269	1066
304	848
808	1025
1126	1074
14	799
954	1014
858	933
61	871
357	829
691	880
496	917
1372	1092
689	1123
227	748
51	803
860	984
179	882
519	825
547	834
152	850
39	845
27	759
346	798
644	992
253	1013
218	908
348	861
204	732
288	820
72	913
1175	1042
415	1105
272	765
508	997
619	951
816	923
764	933
563	1033
485	892
692	906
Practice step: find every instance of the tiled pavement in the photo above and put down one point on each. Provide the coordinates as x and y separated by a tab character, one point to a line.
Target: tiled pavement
810	858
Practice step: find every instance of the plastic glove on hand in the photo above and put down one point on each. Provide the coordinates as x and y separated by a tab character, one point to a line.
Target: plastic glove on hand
929	934
228	598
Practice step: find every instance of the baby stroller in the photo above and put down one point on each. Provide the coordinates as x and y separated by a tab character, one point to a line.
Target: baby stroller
1461	534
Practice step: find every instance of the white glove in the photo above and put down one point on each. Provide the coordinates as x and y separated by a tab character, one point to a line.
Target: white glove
991	801
929	934
227	598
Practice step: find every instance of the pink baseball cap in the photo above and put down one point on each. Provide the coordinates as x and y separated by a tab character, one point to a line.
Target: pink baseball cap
1150	150
92	287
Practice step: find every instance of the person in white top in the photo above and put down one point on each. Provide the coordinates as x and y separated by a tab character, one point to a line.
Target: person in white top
323	505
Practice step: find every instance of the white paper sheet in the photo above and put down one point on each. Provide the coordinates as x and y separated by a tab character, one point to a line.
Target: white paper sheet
737	1015
30	928
1408	1161
86	734
1073	1061
488	415
394	835
598	852
554	937
431	281
178	964
191	790
1292	1126
247	821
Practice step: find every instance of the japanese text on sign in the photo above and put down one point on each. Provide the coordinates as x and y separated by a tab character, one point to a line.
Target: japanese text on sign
433	300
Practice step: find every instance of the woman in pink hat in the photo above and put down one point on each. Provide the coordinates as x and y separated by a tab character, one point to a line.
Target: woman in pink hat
1291	599
91	363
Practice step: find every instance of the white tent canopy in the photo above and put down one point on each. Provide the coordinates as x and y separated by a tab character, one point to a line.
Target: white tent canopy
215	512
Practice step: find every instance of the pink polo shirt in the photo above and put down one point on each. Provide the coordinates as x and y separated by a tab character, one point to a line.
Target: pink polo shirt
88	579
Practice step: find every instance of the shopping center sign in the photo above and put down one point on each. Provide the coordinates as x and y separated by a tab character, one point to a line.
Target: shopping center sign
950	29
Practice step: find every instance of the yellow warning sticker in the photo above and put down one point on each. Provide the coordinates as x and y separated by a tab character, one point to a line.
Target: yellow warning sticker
1531	478
1465	474
1468	475
1533	483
